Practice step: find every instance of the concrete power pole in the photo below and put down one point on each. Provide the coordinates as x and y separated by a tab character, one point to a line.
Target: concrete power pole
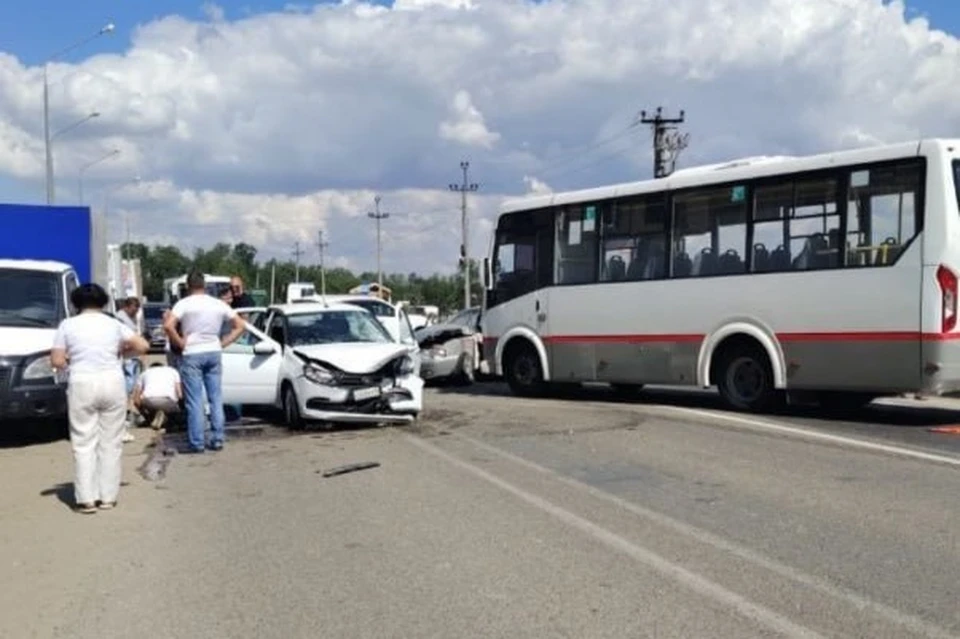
323	275
378	216
667	141
464	188
296	254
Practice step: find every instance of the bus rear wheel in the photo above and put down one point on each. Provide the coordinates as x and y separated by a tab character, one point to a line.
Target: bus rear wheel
522	369
745	378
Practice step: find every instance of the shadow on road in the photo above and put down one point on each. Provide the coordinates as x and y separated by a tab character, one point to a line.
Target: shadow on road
874	414
63	492
30	433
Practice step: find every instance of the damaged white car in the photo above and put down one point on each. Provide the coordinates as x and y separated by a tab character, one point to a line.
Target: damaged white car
324	362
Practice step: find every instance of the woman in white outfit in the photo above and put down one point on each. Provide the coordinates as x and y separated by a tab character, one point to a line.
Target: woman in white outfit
91	346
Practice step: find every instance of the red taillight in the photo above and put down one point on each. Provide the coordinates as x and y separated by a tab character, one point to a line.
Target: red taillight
948	294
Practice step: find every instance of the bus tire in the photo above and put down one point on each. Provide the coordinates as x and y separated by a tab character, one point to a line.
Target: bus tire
744	376
522	369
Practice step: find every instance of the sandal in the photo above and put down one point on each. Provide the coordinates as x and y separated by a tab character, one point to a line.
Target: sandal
107	505
86	509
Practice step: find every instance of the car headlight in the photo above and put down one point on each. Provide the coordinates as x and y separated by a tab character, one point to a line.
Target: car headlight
39	368
406	366
317	374
439	351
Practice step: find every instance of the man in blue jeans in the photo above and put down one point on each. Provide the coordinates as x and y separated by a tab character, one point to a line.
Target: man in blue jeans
201	319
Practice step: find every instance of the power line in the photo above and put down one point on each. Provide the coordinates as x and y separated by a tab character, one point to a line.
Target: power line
321	245
667	141
378	216
297	252
463	189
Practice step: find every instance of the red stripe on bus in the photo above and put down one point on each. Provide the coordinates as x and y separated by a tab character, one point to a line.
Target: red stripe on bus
854	336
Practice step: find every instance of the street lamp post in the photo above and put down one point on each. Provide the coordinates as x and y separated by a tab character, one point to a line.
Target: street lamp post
86	167
109	28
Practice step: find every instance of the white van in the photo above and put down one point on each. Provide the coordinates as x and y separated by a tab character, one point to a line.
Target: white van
35	299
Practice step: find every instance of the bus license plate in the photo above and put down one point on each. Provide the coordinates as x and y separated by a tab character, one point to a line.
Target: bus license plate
362	394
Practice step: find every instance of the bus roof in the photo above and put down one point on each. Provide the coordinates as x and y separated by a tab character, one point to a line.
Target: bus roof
740	169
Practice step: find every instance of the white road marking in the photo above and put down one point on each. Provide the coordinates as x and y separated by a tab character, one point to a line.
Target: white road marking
857	600
745	607
806	433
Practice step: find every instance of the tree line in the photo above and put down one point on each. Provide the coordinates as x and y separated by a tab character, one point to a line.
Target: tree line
161	262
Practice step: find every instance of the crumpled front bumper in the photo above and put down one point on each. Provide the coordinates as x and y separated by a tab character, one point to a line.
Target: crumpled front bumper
396	401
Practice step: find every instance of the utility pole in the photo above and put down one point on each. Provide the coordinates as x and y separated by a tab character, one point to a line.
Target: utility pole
464	188
323	275
667	141
296	254
378	216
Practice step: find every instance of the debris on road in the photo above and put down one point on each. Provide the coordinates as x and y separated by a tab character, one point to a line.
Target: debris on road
350	468
155	467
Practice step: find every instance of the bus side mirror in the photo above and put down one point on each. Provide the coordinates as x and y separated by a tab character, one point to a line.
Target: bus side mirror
487	276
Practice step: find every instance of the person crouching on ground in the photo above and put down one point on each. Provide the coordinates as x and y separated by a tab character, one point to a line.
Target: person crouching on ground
157	394
201	318
90	346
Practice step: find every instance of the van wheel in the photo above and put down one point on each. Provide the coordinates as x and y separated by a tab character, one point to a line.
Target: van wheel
522	369
291	410
745	378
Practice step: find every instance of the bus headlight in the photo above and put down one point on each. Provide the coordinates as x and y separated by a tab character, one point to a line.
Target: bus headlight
39	369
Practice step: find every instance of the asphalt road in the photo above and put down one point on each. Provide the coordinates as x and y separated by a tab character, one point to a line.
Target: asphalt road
505	517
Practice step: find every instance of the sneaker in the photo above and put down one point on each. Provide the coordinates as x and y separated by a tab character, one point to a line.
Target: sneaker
216	445
128	437
159	419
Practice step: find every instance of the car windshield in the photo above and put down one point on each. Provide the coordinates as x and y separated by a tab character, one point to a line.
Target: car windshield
151	312
30	298
335	327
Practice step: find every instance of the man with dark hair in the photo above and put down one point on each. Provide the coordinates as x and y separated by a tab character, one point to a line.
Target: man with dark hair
201	319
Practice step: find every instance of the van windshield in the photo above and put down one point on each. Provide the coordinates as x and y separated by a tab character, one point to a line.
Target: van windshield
30	298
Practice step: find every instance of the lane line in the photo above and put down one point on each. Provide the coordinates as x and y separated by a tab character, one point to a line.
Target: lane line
806	433
858	601
746	608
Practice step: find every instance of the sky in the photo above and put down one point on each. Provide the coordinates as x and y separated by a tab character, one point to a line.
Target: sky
269	121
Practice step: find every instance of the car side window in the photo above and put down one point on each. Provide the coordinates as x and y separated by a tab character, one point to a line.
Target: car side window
244	343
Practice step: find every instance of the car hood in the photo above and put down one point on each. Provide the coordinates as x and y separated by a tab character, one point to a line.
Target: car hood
16	341
438	333
358	357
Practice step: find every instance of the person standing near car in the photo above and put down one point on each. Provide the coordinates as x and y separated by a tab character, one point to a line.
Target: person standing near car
201	319
240	298
89	346
131	365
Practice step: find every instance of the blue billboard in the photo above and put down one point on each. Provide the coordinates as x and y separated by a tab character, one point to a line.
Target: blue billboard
38	232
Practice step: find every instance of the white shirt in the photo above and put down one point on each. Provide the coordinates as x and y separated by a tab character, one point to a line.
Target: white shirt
92	342
201	319
124	317
160	382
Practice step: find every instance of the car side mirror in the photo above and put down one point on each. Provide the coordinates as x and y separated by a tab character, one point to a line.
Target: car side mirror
264	348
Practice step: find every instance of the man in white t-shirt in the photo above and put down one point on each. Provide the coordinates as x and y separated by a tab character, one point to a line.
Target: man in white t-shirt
201	319
158	393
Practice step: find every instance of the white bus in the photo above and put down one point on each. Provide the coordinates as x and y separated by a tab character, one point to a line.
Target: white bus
834	274
175	288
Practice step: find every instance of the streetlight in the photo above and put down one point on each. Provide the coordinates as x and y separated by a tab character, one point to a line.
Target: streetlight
89	165
92	115
108	28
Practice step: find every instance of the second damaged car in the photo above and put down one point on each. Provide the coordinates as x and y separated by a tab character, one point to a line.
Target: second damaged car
326	363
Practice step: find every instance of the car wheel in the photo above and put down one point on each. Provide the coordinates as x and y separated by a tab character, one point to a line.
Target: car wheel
291	409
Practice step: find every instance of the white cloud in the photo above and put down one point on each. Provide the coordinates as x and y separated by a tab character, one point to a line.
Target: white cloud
467	125
535	186
270	127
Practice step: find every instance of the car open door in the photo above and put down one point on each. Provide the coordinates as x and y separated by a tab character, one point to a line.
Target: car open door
251	369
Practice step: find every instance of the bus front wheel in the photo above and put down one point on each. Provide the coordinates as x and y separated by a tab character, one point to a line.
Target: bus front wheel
522	370
745	378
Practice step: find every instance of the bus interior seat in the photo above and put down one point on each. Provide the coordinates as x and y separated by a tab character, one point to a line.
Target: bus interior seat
655	267
780	259
705	262
889	251
813	255
616	271
730	263
682	265
761	258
